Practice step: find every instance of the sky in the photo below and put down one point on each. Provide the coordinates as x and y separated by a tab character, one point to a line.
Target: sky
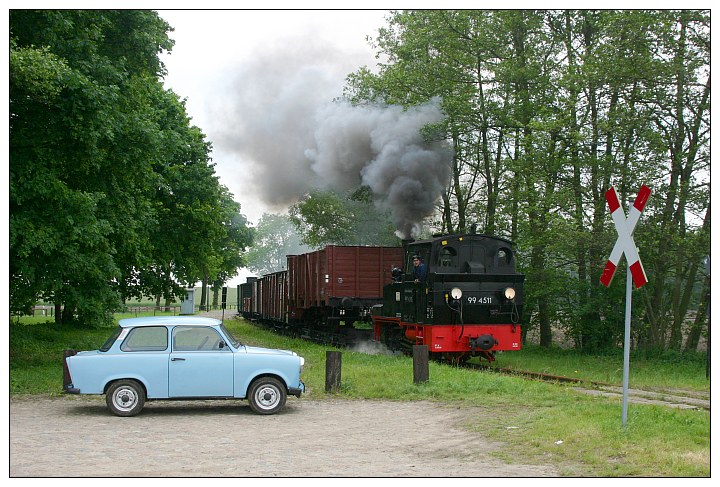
230	65
244	71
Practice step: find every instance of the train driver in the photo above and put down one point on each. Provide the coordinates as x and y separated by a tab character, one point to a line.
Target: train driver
419	269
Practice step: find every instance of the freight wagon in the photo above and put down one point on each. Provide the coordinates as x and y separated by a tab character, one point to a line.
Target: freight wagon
327	294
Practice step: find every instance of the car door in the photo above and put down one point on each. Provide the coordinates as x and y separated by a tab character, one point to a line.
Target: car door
201	363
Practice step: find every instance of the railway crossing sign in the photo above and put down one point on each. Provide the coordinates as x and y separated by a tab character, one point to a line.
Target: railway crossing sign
625	243
635	271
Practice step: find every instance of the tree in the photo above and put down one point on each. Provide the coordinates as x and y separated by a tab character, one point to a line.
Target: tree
326	217
546	110
276	238
112	193
79	171
680	103
232	246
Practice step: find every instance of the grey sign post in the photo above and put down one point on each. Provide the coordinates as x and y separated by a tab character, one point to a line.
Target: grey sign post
635	271
626	346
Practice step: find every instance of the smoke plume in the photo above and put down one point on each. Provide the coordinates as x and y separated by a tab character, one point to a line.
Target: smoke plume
283	122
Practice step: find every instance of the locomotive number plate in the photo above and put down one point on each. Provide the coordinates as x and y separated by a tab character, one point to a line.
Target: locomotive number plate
480	300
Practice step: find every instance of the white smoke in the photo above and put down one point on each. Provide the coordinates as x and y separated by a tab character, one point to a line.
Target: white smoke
282	120
372	347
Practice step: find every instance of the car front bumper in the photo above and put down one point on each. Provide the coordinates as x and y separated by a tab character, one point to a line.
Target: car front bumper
297	391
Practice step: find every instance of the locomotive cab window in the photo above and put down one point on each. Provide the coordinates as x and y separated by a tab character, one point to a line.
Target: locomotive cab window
447	257
504	257
409	266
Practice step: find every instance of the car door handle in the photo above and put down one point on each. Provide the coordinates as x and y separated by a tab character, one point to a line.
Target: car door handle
177	358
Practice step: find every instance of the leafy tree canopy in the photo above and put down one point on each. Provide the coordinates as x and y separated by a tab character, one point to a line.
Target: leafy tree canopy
112	193
327	217
546	109
275	239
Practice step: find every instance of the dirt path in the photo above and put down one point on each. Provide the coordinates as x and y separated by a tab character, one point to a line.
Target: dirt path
75	436
674	398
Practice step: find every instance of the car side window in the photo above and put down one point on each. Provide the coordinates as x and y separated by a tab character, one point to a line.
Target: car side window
146	339
186	338
111	341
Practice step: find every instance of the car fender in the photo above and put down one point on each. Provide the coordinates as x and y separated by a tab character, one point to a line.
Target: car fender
243	378
244	385
139	378
92	373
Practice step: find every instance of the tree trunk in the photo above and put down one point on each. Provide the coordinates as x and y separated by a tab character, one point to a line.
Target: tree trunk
68	313
693	338
204	294
215	302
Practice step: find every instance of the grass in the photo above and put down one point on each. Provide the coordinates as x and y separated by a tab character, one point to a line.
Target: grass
536	422
680	371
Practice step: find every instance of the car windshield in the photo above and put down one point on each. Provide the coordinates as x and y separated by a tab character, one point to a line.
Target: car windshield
109	342
234	341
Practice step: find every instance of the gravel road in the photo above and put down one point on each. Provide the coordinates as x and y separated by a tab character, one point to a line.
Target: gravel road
75	436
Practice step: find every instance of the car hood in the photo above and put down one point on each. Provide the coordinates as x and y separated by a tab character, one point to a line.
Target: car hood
267	351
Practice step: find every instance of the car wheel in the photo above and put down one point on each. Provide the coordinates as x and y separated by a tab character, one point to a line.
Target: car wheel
125	397
267	395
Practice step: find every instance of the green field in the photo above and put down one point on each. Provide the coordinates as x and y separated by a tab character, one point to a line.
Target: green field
526	416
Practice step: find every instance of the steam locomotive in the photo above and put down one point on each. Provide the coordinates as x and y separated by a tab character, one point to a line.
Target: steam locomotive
468	304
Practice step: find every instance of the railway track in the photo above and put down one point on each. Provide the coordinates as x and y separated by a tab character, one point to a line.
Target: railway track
678	398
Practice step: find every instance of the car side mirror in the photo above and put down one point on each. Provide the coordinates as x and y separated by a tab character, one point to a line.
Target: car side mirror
221	344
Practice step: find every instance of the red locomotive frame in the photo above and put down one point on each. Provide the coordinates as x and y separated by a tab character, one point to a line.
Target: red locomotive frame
454	339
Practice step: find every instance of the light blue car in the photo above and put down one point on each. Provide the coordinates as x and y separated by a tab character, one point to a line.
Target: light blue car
182	357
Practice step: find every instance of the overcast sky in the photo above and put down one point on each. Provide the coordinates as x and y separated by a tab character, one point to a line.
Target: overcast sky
238	68
243	71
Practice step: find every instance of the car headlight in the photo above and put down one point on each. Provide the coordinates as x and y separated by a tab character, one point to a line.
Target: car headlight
456	293
302	362
509	293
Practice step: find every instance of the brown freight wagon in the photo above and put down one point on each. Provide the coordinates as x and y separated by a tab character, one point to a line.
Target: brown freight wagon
245	298
339	283
272	296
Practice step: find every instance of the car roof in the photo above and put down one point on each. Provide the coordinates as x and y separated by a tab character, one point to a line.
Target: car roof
168	320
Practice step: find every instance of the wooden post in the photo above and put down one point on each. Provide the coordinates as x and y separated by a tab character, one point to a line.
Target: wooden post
421	366
333	366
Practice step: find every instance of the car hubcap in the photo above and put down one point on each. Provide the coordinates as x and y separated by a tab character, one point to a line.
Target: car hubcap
267	397
125	399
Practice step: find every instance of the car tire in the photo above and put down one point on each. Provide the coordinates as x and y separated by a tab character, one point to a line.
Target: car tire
125	397
267	395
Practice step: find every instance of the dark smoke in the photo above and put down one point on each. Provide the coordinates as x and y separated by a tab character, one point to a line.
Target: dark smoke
382	147
284	124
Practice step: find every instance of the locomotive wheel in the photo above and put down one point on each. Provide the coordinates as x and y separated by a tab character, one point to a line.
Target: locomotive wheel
450	358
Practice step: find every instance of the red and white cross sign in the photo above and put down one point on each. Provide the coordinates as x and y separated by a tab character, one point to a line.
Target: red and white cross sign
625	243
